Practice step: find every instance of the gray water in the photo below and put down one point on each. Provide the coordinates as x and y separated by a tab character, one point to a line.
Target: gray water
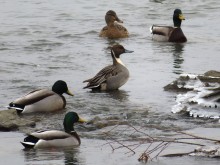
43	41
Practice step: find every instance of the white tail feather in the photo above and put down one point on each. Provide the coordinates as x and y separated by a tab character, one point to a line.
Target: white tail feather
16	108
151	29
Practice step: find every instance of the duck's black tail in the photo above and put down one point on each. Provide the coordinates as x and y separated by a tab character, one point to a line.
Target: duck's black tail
19	108
29	141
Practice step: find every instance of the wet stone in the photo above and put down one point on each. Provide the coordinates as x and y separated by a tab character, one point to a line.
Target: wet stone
11	121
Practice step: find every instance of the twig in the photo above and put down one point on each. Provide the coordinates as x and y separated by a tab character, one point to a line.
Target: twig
148	147
156	148
111	146
165	146
139	145
111	129
161	144
124	146
141	132
128	146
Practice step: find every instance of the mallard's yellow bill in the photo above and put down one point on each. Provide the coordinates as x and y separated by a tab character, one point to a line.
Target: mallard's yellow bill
69	93
82	120
181	17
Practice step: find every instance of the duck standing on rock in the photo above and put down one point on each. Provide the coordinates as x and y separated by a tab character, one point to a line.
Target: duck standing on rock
42	100
56	138
169	33
113	76
114	29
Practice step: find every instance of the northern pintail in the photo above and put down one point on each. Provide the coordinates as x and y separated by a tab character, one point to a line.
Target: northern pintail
113	76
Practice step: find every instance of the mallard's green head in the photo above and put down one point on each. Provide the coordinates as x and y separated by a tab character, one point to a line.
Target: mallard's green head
70	119
60	87
178	17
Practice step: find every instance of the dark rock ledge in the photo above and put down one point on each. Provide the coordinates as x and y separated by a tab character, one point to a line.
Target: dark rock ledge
11	121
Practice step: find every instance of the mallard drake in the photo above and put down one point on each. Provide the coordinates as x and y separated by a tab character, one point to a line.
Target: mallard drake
113	30
168	33
56	138
113	76
42	100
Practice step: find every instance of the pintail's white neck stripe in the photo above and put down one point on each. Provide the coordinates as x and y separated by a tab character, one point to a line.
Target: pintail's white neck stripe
117	59
113	53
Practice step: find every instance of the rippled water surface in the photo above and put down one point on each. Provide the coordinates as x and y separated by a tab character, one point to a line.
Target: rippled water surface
43	41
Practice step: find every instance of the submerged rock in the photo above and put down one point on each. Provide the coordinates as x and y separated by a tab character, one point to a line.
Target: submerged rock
200	94
211	76
10	121
177	85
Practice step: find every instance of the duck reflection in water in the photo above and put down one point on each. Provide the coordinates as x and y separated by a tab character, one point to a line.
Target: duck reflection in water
119	95
177	50
72	156
69	155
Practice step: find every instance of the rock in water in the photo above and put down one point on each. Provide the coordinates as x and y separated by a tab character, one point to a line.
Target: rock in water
10	121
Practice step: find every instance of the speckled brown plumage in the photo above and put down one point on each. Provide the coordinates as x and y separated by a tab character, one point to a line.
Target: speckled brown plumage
113	30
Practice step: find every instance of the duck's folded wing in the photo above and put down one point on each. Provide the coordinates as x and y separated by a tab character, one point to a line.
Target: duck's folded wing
33	97
50	135
121	28
161	30
101	76
103	31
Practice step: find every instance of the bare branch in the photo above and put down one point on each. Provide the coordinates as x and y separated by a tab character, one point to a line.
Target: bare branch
156	144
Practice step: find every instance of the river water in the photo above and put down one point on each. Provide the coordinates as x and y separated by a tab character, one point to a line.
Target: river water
43	41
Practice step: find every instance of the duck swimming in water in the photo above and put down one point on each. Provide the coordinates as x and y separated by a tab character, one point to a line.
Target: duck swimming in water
42	100
55	138
169	33
114	29
113	76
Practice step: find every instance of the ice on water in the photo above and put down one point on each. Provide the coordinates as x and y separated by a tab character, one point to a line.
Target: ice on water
195	102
